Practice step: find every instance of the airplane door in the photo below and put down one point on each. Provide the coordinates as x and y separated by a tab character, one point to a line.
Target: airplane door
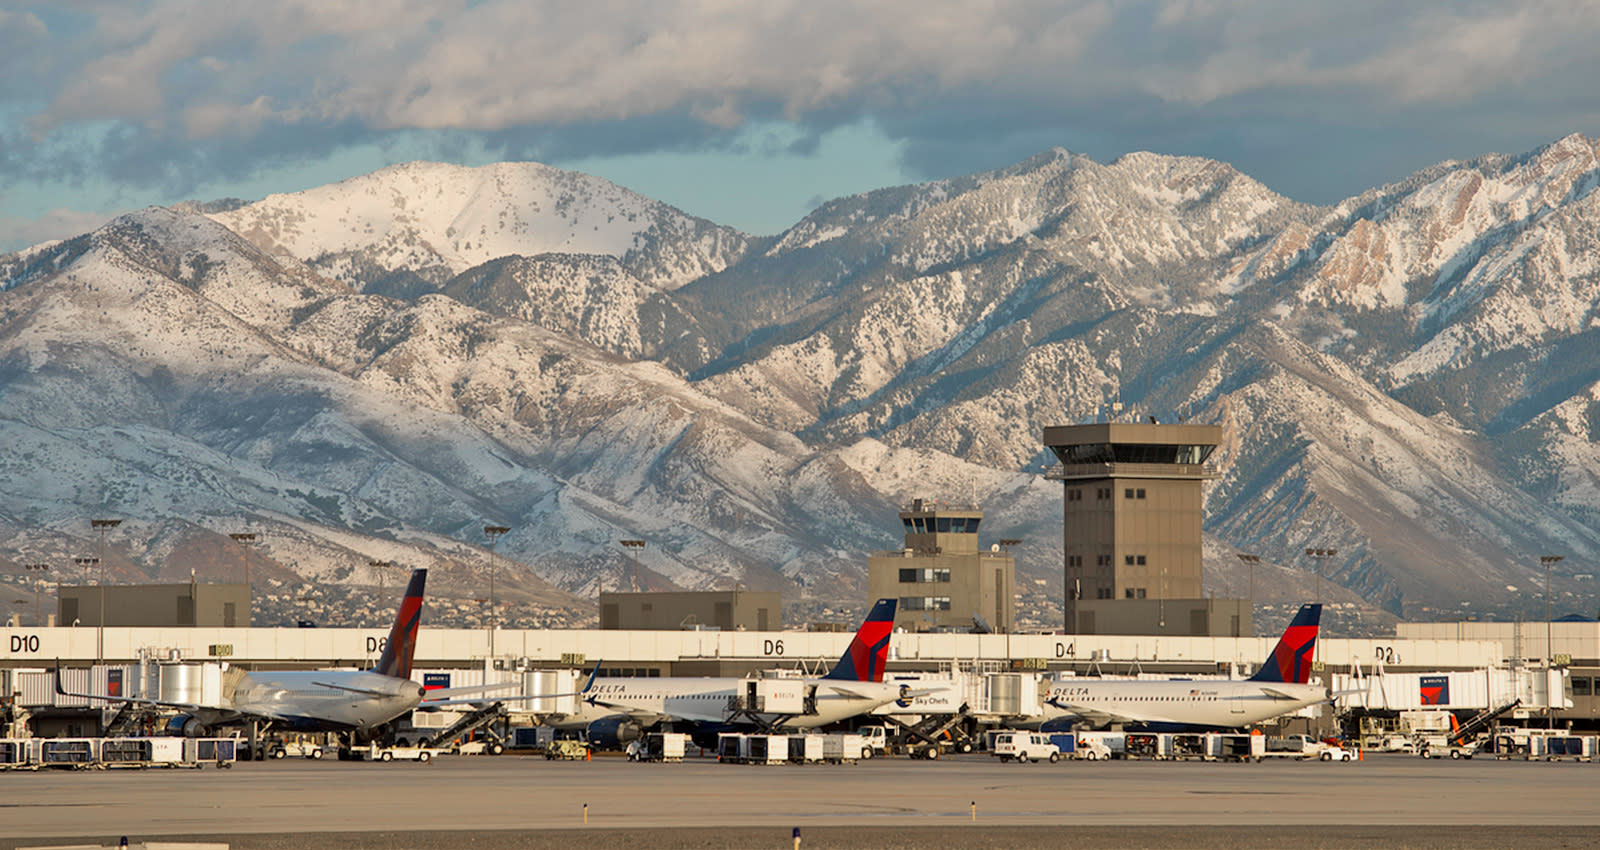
810	704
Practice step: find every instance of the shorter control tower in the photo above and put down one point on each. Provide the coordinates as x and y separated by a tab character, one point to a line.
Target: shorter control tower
941	577
1133	508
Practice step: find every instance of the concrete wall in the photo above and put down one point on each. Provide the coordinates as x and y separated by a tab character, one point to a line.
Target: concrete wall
1196	617
731	610
156	605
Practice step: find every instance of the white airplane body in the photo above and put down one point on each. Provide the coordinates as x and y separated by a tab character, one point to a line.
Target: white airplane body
349	701
1213	703
713	700
854	686
1280	687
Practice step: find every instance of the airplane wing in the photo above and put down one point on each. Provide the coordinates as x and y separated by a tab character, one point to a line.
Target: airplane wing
60	689
440	697
428	703
451	693
903	693
1095	716
643	716
346	688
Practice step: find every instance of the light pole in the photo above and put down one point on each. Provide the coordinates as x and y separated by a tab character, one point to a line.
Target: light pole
41	569
101	525
1549	651
85	564
382	567
1252	560
1319	556
494	532
634	546
1163	615
1547	561
244	539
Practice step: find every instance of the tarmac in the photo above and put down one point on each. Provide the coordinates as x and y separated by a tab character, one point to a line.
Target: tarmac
527	803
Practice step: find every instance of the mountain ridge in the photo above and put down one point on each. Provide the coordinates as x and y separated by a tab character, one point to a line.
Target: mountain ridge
1404	375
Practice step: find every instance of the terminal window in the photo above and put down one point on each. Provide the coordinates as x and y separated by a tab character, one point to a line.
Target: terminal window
928	576
925	603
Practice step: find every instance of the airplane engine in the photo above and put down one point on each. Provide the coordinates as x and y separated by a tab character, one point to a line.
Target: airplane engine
1064	723
188	726
613	732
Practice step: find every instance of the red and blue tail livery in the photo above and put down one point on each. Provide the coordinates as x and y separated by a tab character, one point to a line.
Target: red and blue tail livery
402	643
1291	660
869	651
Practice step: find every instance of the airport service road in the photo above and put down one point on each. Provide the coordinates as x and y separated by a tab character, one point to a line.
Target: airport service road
522	793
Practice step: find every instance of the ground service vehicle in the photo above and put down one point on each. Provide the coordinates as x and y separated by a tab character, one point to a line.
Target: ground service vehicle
1294	746
1025	746
373	752
1338	752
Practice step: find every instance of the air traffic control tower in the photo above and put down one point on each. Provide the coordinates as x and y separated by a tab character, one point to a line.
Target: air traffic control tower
1133	507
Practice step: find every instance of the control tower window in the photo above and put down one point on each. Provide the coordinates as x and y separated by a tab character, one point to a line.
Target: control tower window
909	526
944	525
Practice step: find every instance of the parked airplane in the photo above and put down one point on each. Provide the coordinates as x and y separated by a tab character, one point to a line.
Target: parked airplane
1278	688
708	705
356	703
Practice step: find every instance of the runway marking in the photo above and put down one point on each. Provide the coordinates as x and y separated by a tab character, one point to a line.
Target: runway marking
1251	793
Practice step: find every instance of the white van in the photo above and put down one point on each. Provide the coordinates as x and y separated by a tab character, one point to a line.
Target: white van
1024	746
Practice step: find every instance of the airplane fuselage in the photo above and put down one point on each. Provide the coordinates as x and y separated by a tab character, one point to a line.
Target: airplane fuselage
1222	704
326	700
710	701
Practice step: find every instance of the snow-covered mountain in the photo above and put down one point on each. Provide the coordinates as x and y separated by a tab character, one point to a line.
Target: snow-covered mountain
374	369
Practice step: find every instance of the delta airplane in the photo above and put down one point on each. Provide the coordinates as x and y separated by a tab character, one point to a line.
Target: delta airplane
854	686
1278	688
353	702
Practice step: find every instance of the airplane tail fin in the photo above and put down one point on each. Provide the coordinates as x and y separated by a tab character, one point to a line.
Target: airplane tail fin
402	643
1291	659
868	653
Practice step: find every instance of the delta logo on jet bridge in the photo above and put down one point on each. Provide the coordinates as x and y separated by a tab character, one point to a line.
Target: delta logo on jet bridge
1435	690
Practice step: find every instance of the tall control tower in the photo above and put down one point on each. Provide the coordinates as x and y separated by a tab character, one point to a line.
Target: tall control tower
1133	509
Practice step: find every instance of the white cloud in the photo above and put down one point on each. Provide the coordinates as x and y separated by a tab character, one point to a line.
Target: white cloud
17	233
195	88
498	64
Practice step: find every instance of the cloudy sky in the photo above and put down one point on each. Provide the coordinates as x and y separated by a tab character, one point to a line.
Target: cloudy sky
750	112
